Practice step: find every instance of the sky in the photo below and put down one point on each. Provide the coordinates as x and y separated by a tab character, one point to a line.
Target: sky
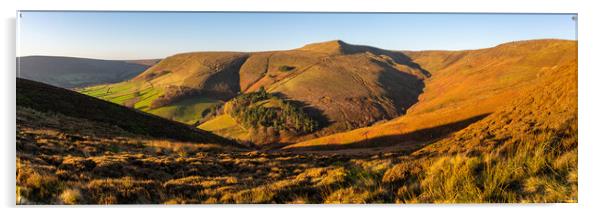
147	35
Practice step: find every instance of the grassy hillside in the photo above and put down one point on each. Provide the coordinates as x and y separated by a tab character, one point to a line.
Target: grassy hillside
130	94
344	86
141	96
214	74
180	87
464	87
524	152
70	72
226	126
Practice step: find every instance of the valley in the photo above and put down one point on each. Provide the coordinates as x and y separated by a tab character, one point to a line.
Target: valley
328	122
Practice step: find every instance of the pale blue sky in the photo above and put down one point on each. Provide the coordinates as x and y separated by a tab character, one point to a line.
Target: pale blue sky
141	35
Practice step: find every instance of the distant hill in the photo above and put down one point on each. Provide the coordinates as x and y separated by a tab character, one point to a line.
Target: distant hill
70	72
465	87
52	100
345	86
147	62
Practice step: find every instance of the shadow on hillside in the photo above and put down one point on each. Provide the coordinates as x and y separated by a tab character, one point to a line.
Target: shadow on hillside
314	113
411	138
398	57
224	84
403	88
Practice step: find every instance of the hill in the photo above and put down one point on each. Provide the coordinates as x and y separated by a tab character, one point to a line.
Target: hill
341	85
70	72
464	87
180	87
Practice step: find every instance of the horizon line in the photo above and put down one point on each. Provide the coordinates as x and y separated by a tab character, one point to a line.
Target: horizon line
258	51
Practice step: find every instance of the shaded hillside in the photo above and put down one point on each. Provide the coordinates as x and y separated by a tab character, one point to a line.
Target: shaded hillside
48	99
345	86
463	85
70	72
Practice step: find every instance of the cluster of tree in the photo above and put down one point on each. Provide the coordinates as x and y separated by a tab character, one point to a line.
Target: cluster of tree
253	97
285	117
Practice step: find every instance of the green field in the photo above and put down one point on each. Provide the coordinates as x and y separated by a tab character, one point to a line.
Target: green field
187	111
120	92
141	95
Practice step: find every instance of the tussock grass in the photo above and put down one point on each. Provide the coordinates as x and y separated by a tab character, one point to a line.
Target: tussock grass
71	196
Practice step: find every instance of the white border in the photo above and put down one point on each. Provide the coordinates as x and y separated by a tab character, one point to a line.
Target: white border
589	102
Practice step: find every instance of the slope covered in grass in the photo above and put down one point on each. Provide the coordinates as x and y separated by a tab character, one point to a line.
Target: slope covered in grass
141	96
524	152
464	87
226	126
188	111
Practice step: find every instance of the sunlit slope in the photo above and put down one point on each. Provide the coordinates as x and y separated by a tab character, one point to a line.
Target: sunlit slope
470	77
542	114
465	86
526	151
213	74
225	125
141	96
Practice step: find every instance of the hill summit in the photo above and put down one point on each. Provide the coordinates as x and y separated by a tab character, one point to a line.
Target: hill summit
334	47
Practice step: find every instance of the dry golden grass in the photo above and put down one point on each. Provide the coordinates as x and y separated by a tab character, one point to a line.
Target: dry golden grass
71	196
